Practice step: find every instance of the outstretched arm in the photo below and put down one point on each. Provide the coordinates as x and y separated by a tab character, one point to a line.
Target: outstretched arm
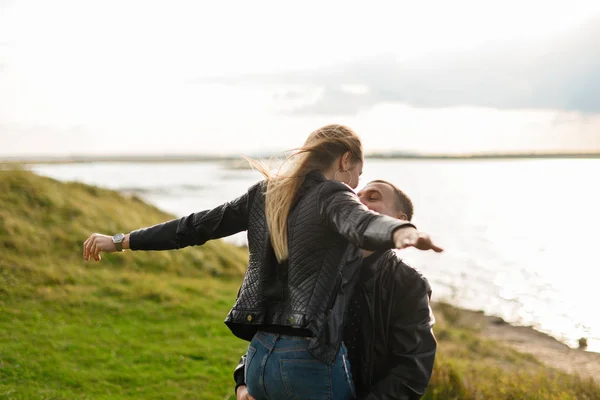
345	214
192	230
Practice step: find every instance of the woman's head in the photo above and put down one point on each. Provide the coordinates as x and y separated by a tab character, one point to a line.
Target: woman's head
334	150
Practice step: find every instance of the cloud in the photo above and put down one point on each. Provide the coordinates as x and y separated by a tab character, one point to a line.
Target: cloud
558	74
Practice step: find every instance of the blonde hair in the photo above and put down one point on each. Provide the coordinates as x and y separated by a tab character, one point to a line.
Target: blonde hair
319	151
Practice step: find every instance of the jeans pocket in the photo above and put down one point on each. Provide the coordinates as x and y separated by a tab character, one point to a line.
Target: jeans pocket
306	379
249	357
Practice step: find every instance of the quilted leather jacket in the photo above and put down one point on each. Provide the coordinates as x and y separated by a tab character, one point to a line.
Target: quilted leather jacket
327	227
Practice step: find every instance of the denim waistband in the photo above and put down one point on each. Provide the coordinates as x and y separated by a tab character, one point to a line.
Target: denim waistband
269	339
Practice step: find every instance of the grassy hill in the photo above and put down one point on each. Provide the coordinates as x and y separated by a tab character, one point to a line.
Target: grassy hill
150	325
135	325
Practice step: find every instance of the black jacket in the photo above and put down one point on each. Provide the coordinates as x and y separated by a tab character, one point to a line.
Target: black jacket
311	290
398	347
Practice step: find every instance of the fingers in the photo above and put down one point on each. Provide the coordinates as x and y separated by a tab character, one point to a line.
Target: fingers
437	249
242	393
96	252
91	248
85	249
427	244
421	242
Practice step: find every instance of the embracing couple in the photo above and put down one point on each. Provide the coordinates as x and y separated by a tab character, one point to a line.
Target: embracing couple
329	310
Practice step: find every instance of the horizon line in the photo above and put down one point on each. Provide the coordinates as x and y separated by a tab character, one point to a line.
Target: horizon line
81	158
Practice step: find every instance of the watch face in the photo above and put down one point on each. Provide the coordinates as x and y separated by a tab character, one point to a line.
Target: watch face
118	237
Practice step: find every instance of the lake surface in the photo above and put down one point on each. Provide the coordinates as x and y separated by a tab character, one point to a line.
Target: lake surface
521	236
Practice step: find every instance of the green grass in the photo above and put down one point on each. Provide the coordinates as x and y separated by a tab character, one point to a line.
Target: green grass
150	325
470	367
135	325
159	340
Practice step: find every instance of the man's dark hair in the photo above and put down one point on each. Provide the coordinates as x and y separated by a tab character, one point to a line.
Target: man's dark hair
403	203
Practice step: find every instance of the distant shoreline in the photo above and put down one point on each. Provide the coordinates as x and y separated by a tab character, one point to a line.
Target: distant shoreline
229	158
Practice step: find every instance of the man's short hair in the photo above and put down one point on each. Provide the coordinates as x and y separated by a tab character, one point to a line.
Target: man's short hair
403	203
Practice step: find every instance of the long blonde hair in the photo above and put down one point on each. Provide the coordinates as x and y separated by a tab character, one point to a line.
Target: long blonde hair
320	150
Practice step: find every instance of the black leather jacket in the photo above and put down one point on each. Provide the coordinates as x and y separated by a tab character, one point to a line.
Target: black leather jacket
398	349
399	346
311	290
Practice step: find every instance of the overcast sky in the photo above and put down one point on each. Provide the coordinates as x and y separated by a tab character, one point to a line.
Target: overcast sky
90	77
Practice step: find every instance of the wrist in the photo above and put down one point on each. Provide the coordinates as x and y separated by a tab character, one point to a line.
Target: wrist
126	242
403	231
121	241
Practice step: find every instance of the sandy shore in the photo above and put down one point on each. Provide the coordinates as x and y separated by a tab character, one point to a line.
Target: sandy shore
543	347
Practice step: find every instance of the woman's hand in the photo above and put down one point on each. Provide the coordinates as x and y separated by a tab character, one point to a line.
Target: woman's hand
97	243
410	237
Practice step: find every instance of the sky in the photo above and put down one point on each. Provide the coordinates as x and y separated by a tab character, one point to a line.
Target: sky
123	77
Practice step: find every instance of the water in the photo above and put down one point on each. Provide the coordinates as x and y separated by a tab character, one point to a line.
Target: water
520	235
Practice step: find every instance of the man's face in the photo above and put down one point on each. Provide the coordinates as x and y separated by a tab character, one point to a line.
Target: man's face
380	197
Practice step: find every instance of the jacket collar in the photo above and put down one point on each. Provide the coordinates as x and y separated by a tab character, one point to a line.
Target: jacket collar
371	264
315	176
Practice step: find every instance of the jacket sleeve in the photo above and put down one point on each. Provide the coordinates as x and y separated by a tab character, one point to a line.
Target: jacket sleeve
239	373
196	229
344	213
412	343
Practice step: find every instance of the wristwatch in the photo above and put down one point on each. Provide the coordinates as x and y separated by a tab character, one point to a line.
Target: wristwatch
118	241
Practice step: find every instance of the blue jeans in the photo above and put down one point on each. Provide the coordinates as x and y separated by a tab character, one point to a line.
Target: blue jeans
280	367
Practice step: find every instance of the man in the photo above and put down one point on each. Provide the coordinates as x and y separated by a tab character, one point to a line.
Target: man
389	336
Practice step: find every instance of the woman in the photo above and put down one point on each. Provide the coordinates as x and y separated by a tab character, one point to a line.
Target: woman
305	231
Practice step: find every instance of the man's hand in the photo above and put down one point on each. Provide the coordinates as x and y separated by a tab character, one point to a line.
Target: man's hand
410	237
242	393
97	243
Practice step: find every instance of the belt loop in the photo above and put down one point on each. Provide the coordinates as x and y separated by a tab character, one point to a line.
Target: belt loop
277	336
